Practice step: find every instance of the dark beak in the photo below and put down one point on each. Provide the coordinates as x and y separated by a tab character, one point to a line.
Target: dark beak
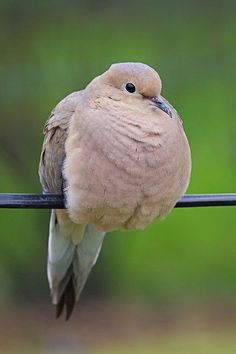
159	102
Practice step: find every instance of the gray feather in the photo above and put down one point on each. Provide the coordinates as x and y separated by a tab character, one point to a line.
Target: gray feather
72	251
87	253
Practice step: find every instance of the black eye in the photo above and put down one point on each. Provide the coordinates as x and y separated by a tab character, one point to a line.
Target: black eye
130	87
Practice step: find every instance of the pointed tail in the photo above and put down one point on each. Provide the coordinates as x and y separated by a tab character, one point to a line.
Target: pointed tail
72	251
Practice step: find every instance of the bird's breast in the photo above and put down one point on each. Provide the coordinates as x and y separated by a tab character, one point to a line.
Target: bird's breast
116	168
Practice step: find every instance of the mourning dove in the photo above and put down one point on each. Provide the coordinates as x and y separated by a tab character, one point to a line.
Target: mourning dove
118	152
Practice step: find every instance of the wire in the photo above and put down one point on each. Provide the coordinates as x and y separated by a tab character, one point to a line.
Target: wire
55	201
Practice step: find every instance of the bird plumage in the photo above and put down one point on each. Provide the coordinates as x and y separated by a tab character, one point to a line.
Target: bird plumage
121	159
66	240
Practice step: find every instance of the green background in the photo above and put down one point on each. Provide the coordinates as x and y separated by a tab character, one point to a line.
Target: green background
49	49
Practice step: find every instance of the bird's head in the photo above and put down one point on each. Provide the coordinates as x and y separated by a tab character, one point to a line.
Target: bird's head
134	83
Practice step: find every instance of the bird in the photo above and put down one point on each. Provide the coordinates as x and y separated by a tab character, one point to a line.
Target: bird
118	153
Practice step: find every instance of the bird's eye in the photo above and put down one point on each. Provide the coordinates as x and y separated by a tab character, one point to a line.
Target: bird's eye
130	87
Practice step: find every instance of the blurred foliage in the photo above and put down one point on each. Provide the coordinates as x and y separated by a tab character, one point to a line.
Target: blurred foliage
49	49
183	344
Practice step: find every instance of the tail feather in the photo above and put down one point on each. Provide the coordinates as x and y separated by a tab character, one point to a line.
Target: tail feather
60	306
73	250
67	299
61	252
87	253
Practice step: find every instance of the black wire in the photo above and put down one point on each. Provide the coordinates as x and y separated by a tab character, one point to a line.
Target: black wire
54	201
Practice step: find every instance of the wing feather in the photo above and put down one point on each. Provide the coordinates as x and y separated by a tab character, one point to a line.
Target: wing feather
53	151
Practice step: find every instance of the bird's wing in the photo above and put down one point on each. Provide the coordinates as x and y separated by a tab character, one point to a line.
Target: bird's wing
53	151
69	263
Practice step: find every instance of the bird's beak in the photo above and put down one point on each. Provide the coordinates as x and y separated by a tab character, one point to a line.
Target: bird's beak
159	102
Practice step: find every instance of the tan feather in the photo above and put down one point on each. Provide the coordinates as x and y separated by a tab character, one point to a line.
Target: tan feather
119	152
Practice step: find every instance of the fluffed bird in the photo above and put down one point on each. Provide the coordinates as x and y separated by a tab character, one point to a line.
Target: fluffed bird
118	152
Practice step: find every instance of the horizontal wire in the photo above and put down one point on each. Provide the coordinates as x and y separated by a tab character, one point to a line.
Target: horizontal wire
55	201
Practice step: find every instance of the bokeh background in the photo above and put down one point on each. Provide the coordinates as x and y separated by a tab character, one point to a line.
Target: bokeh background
170	288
